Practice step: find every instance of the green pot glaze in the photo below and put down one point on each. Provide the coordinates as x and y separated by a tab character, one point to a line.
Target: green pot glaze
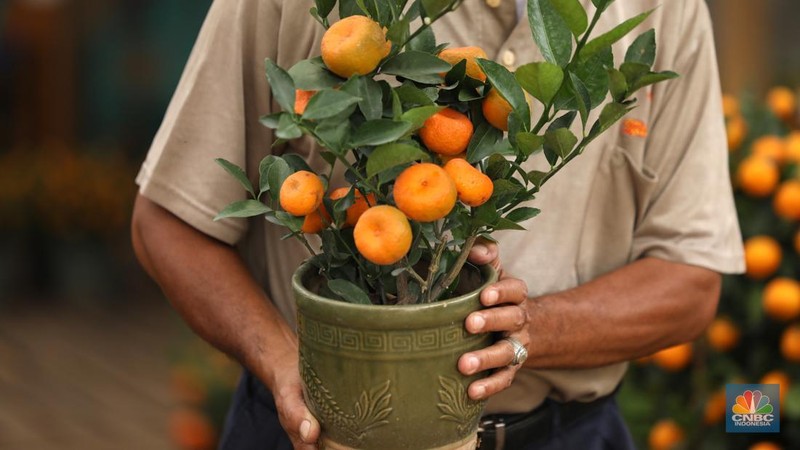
386	377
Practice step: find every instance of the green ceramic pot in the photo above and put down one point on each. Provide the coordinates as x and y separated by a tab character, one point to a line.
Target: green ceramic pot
386	377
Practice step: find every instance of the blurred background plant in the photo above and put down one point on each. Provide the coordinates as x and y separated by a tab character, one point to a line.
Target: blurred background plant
676	397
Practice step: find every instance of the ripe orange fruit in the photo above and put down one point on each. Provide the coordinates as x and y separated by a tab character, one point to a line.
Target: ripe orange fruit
757	176
786	202
383	235
782	101
765	445
474	188
780	378
455	55
665	435
771	147
762	256
301	99
313	223
424	192
736	130
191	430
781	299
674	358
792	145
723	334
354	45
730	106
790	343
446	158
496	110
360	204
447	132
301	193
715	407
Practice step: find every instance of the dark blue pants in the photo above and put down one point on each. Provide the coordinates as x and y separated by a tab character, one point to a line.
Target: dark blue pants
252	424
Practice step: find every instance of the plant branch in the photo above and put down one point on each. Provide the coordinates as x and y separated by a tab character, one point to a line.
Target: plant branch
455	270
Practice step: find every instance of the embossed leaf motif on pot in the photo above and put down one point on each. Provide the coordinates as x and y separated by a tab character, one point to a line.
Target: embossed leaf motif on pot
388	107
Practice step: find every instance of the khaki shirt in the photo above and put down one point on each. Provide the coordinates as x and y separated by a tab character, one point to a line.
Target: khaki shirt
666	195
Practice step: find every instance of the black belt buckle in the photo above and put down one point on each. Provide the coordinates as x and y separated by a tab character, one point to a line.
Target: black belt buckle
492	433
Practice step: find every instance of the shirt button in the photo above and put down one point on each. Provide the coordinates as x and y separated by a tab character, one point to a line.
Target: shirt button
508	58
493	3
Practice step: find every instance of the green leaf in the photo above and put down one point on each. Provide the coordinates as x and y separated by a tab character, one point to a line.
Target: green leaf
541	80
633	71
581	95
601	5
560	141
412	95
417	66
311	75
296	162
536	177
529	143
521	214
334	133
618	85
643	49
324	7
505	83
243	208
391	155
281	85
563	121
651	78
550	32
371	104
425	41
271	120
435	8
349	292
293	223
482	142
237	173
611	113
380	131
418	116
278	172
263	171
607	39
592	72
328	103
505	224
573	14
287	128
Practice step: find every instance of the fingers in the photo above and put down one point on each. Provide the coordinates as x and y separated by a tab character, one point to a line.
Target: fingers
485	252
500	318
497	356
302	428
507	290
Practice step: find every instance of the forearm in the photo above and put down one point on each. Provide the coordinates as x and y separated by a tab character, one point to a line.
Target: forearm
208	284
631	312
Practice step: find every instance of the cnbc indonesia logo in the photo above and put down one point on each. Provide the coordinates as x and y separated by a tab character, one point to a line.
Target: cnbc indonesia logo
751	409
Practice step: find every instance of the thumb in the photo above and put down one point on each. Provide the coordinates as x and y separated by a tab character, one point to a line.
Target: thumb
309	428
297	420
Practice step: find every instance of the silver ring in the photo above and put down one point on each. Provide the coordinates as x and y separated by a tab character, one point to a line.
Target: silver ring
520	352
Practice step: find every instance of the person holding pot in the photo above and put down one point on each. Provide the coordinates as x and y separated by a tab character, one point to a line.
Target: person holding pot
623	261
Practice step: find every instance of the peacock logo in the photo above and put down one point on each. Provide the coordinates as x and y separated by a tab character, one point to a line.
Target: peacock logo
752	402
753	408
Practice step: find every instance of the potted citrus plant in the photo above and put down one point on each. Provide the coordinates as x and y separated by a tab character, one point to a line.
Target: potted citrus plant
433	144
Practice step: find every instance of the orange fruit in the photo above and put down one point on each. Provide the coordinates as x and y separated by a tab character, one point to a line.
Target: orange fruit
301	193
762	256
446	158
781	299
383	235
191	430
714	410
780	378
314	223
665	435
792	145
425	192
496	110
730	106
674	359
757	176
474	188
790	343
455	55
447	132
786	202
354	45
782	101
360	204
770	146
765	445
301	99
736	130
723	334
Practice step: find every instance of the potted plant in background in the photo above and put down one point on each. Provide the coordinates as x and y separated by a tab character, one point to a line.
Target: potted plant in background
433	142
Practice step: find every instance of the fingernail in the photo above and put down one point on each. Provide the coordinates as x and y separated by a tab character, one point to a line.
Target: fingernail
491	296
472	364
305	429
478	322
480	391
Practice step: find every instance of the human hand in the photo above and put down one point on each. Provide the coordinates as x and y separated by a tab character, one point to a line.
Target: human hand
295	417
507	313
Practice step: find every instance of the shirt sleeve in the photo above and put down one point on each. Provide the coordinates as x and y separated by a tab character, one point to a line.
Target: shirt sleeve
690	216
206	119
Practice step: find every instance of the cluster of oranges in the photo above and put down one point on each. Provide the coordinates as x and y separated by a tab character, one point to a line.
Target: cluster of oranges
423	192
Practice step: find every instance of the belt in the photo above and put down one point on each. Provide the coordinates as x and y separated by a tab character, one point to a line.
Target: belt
516	431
